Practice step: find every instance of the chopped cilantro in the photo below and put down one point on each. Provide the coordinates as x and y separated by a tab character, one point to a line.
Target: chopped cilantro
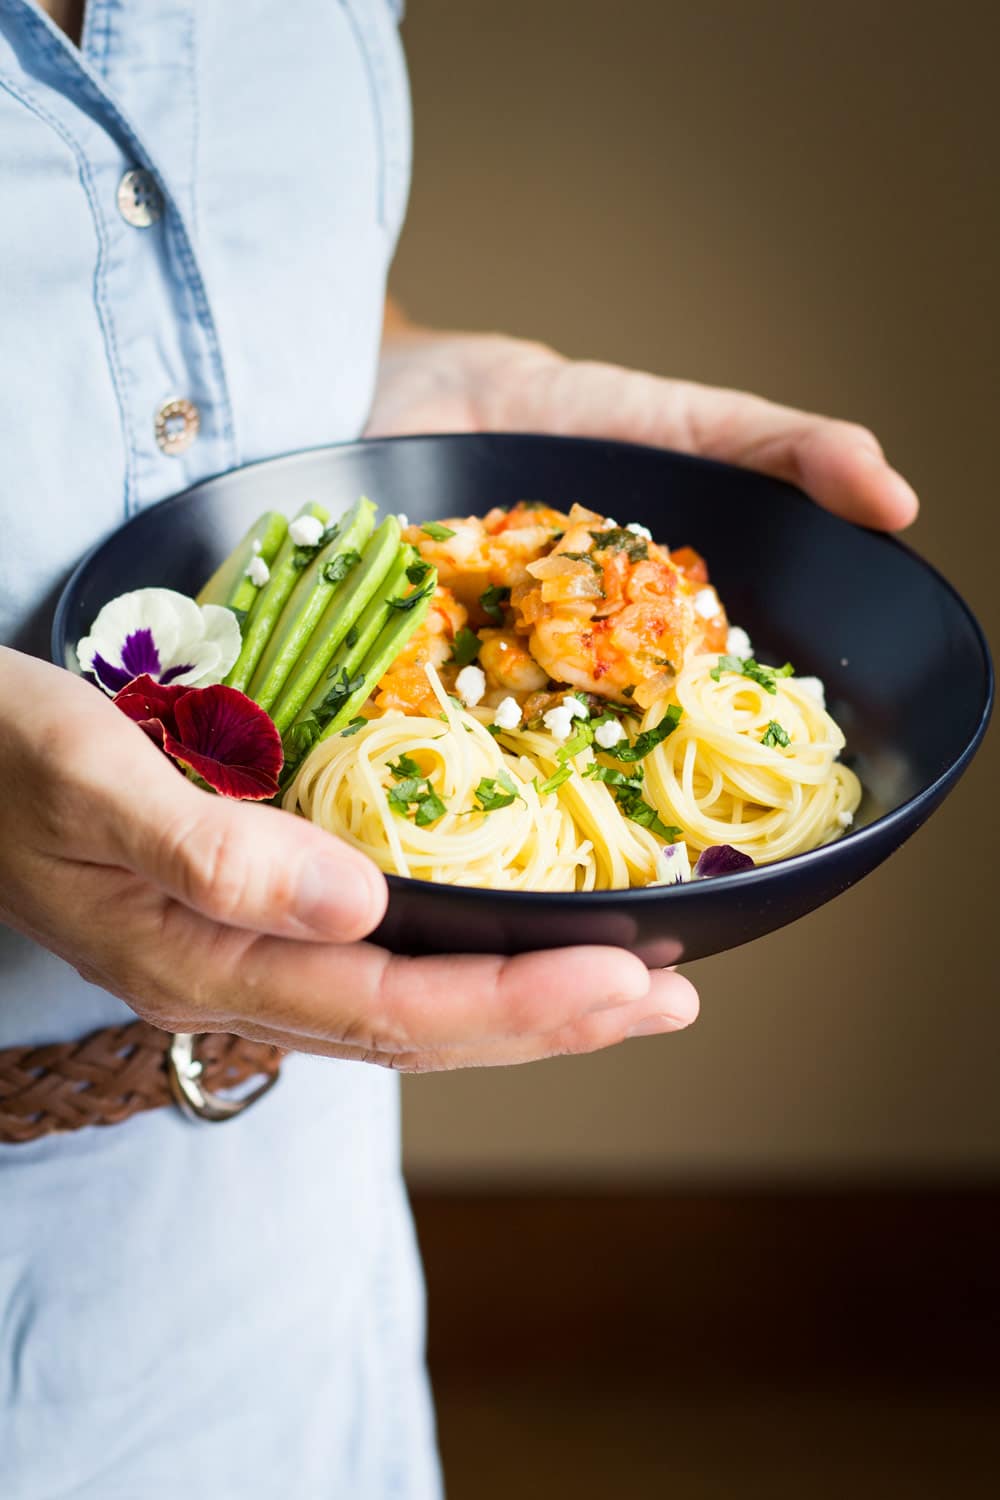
342	688
467	645
411	599
650	738
775	735
353	726
338	567
555	780
636	548
416	791
351	638
765	677
437	532
494	730
629	691
429	808
627	791
492	601
582	736
418	571
241	616
496	791
404	767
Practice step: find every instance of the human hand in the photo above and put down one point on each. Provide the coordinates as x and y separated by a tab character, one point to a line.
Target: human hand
205	914
441	382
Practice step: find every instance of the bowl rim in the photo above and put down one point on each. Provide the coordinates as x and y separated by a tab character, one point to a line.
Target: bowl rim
760	875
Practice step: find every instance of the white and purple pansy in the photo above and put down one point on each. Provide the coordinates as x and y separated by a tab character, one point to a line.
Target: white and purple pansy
160	634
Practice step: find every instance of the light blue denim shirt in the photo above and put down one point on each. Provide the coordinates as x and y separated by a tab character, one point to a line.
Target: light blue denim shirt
197	211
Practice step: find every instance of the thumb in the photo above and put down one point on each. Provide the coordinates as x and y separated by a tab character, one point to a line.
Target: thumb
244	864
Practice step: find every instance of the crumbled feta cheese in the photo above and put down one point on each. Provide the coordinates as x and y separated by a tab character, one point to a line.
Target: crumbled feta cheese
845	819
673	864
559	722
706	604
470	685
258	572
507	714
305	531
638	530
738	643
814	688
257	545
607	735
575	708
403	519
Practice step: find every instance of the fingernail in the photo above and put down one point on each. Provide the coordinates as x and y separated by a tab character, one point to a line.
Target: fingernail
335	898
654	1025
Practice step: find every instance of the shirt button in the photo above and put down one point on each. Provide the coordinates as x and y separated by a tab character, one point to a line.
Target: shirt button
177	424
140	202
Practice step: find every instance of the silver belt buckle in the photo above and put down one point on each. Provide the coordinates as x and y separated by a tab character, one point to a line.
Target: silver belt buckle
191	1097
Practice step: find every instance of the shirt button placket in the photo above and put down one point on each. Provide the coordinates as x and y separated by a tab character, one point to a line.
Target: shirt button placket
177	421
140	201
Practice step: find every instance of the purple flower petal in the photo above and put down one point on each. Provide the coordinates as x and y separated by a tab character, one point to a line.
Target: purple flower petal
139	654
721	859
172	672
113	678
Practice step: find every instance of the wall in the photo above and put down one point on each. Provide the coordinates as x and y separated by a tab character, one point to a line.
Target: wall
799	200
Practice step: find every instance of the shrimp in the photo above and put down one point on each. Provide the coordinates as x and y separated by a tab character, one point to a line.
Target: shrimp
613	613
488	554
405	685
508	664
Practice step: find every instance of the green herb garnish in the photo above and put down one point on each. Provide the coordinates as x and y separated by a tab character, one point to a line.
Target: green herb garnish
437	532
404	767
411	599
627	791
492	601
415	791
618	539
555	780
582	736
466	648
775	735
418	571
650	738
496	791
352	726
765	677
351	638
338	567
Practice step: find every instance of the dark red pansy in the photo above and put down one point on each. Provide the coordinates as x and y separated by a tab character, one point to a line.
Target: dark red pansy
217	732
151	705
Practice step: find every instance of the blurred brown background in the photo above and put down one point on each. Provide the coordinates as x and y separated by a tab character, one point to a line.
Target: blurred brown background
800	200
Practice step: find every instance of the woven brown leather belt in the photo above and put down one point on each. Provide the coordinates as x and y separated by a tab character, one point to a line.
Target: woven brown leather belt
113	1074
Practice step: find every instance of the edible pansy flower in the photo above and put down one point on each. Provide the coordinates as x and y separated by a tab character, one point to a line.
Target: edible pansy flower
673	864
163	635
721	859
217	732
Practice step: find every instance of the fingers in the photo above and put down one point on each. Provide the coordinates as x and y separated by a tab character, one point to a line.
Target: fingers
361	997
250	866
99	792
840	464
670	1004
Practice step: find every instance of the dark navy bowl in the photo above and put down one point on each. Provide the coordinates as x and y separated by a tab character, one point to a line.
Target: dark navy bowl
906	668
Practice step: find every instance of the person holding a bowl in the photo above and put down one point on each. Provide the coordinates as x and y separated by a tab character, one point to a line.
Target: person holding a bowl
200	205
